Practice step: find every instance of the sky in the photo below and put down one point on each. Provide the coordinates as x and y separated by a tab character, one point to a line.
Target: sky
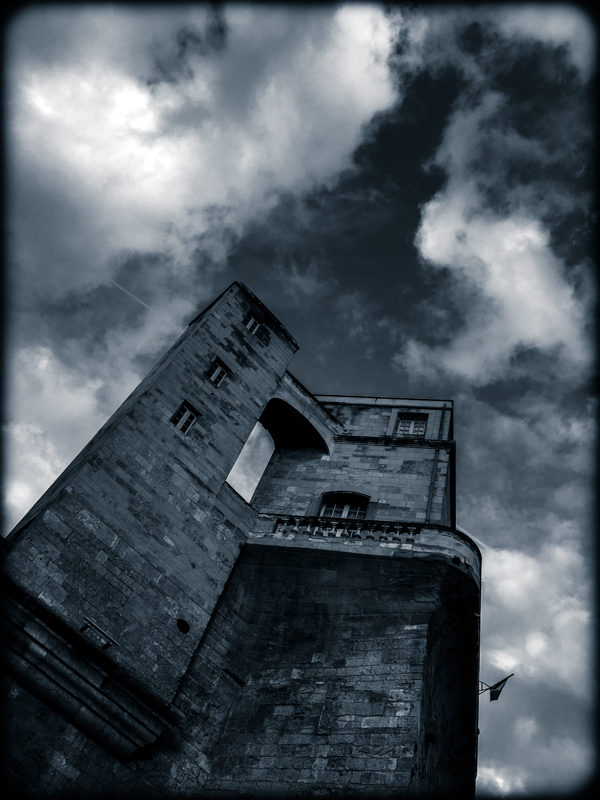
410	190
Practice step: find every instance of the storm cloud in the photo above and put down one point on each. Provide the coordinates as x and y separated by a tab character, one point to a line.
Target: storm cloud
410	191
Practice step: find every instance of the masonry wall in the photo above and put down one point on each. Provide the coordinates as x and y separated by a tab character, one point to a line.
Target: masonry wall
405	479
319	671
133	537
163	641
344	644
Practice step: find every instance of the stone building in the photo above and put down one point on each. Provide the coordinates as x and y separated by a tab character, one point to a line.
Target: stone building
166	638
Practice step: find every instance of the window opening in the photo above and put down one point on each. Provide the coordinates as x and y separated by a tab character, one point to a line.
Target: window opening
217	372
252	324
412	427
345	506
185	416
251	463
183	625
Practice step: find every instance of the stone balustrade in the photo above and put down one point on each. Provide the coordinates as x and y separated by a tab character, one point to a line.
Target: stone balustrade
369	536
375	530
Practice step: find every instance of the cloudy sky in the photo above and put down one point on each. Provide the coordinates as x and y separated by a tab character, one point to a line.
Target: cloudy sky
410	192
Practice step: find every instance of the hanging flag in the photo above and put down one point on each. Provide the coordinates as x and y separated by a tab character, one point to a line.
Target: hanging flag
497	688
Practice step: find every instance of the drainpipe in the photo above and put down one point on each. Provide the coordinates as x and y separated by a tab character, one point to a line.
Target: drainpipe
434	469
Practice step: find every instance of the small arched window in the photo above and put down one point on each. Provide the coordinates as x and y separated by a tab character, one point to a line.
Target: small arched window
346	505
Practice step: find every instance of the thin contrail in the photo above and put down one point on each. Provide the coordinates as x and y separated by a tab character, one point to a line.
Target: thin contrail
130	295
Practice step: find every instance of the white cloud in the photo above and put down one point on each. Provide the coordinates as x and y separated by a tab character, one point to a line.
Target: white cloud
557	24
519	295
61	407
499	780
560	764
536	613
492	225
118	164
434	37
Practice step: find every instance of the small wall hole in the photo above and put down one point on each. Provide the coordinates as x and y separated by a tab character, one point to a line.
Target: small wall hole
183	626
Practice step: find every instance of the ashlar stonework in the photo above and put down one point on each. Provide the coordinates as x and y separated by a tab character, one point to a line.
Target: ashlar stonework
166	638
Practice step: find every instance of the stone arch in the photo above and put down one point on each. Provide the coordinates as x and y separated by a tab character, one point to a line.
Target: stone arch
289	427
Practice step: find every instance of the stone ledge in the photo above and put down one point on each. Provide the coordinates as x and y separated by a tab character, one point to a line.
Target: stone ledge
370	537
83	692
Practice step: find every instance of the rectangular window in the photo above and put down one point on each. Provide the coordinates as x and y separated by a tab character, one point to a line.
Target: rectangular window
252	324
344	510
412	427
217	372
185	416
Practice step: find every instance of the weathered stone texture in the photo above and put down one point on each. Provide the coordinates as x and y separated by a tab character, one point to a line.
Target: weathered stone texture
133	541
398	478
167	638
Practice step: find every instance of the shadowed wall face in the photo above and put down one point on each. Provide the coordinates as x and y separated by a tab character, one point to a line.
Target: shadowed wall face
343	686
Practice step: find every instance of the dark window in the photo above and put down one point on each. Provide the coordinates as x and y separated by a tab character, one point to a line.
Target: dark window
345	505
251	323
217	372
183	625
185	416
412	426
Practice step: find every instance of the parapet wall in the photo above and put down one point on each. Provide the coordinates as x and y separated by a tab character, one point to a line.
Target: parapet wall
370	538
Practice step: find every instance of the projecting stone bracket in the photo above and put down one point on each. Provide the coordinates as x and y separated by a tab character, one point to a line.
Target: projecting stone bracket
66	678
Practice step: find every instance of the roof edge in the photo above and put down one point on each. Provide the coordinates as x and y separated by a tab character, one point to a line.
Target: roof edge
258	302
416	402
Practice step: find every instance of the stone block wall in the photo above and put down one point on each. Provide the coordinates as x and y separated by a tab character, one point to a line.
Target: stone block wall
405	479
320	672
129	538
343	645
165	639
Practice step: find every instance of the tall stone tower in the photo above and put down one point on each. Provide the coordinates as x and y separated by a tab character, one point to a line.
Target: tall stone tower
167	638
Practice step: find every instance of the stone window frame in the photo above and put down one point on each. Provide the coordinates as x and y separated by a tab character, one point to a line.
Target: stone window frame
217	372
353	505
185	417
255	326
412	426
251	324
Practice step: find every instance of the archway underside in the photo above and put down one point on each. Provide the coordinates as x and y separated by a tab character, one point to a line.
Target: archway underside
289	428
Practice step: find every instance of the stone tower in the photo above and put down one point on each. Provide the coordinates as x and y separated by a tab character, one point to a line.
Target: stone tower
167	638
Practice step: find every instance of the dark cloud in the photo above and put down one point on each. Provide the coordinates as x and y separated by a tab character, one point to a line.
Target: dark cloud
175	61
409	192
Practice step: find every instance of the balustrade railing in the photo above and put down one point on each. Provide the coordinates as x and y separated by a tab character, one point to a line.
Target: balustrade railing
377	530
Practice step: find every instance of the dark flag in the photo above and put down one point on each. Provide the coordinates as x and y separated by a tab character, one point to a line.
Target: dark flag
497	688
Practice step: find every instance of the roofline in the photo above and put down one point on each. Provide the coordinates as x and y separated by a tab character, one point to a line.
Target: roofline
263	309
364	400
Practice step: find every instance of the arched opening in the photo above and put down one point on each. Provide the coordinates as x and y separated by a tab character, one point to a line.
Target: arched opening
251	462
289	428
280	426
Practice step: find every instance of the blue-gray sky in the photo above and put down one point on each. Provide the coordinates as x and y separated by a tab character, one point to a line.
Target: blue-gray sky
410	191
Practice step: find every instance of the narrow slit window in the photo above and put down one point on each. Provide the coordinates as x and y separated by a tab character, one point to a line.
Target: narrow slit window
412	427
185	416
